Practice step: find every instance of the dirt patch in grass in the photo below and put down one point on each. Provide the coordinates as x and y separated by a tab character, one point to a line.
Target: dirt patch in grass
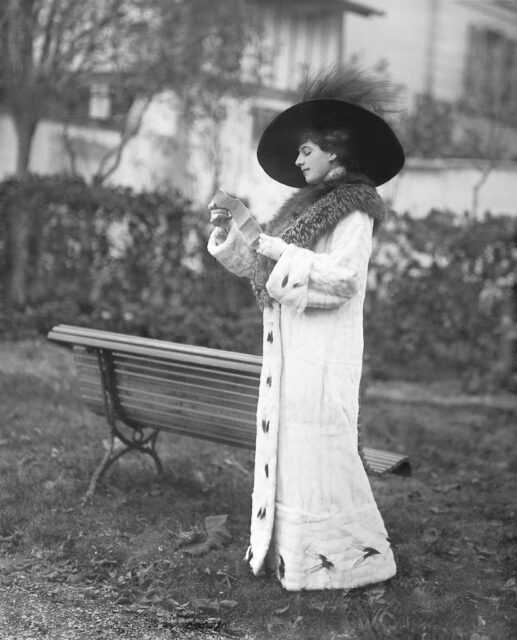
117	568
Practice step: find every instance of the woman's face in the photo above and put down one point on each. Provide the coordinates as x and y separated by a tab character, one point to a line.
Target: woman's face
313	162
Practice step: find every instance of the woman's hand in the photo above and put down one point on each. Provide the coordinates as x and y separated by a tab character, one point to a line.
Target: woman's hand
270	246
219	217
221	220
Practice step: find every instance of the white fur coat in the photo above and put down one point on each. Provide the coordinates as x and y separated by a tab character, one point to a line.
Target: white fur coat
314	519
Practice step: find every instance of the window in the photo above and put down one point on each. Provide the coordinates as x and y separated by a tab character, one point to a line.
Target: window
100	101
490	83
109	102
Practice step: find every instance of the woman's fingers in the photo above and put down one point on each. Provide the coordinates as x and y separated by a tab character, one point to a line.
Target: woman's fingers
220	235
265	245
219	217
270	246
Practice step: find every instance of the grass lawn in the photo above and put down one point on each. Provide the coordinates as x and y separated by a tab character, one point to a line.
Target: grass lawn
117	568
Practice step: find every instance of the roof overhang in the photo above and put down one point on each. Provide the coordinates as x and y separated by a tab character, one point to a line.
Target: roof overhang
508	5
321	6
504	9
360	8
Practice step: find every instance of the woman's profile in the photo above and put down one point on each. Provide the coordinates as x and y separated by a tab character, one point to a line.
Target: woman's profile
314	519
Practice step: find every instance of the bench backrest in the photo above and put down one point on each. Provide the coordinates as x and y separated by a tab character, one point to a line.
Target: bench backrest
194	391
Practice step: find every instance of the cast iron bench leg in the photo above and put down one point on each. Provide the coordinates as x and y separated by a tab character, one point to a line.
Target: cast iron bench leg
139	442
145	443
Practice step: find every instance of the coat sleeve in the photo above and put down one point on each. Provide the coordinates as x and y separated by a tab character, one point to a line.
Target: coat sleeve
303	278
233	252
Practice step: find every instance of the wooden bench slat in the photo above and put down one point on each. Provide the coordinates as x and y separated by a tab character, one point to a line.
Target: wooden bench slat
180	356
187	404
230	440
88	376
182	425
156	365
88	362
95	404
223	387
186	390
84	335
89	380
94	397
396	463
208	383
382	454
187	426
96	392
207	416
167	400
385	459
146	346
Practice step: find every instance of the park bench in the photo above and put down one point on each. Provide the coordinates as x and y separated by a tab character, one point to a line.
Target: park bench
152	385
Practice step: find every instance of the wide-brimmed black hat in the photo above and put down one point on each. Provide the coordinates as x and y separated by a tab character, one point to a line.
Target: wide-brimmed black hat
337	99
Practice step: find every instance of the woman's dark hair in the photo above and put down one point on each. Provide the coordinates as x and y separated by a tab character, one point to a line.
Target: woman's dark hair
338	141
348	155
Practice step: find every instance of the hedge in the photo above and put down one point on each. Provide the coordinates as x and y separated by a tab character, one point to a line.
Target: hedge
441	298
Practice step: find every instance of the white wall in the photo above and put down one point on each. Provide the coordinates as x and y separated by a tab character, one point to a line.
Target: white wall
398	36
152	160
7	146
449	184
422	185
419	51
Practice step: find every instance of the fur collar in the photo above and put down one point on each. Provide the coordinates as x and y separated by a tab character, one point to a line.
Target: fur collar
312	212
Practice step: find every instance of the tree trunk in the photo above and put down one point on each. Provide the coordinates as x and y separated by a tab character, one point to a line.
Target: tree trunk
485	172
19	219
504	367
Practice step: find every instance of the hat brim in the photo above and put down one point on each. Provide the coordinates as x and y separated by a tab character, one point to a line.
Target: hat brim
381	157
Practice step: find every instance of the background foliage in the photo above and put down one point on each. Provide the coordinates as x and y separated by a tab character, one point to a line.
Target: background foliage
441	299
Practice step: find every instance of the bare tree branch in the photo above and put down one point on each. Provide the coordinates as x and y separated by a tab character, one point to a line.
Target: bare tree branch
48	32
70	149
114	156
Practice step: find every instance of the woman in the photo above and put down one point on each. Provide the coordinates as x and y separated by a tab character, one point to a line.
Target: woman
314	518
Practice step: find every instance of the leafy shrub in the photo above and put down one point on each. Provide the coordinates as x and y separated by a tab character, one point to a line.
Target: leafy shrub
121	261
441	299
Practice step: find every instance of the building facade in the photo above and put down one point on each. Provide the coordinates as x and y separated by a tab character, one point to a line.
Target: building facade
463	52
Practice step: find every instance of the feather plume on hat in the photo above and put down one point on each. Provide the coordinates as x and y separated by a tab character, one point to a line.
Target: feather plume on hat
350	84
336	98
